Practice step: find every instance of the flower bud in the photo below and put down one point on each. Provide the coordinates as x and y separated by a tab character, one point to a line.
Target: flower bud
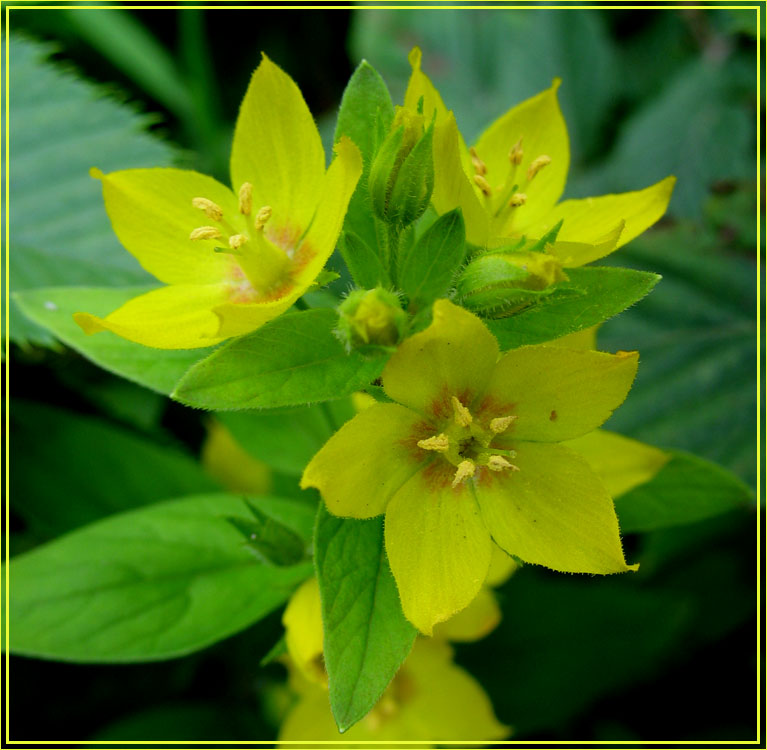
402	173
499	284
371	318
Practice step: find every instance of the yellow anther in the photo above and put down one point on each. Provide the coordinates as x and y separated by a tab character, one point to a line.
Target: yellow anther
483	184
516	153
212	210
462	414
237	240
518	199
205	233
479	166
499	463
464	470
439	443
500	424
245	197
263	215
536	165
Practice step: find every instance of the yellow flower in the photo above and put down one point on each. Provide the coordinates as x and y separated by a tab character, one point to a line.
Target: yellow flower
468	457
231	259
509	182
430	698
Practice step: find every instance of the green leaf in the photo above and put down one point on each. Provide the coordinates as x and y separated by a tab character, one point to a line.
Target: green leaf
272	543
600	294
366	108
285	440
66	494
292	360
695	389
366	635
363	263
426	270
52	309
60	127
685	490
150	584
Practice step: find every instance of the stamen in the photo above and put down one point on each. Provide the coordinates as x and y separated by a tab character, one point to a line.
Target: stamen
462	414
518	199
516	153
465	470
500	424
237	240
499	463
536	165
212	210
483	185
439	443
263	215
479	166
205	233
245	197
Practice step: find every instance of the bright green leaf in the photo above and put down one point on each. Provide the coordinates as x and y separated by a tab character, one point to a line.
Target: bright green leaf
426	271
158	369
363	262
150	584
294	359
366	635
601	293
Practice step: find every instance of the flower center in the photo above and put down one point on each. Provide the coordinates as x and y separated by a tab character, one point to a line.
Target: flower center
503	200
266	266
467	444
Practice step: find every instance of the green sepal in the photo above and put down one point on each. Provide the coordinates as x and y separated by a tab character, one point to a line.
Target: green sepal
411	192
363	262
275	652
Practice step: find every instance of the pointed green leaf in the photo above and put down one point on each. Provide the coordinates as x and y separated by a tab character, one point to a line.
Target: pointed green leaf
426	270
294	359
150	584
366	635
363	262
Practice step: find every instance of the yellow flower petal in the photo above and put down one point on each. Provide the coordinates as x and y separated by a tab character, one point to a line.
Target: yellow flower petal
454	356
438	548
620	462
277	148
502	567
476	621
554	512
172	317
236	319
574	254
367	461
589	219
420	86
452	187
229	464
558	394
539	122
585	339
152	215
302	620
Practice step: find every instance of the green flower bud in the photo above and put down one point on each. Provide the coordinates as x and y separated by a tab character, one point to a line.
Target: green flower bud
371	318
402	174
500	284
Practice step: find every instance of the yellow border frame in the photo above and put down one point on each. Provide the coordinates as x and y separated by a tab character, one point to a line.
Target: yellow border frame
9	5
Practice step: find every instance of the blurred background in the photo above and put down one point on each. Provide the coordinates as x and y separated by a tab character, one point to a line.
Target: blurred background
666	654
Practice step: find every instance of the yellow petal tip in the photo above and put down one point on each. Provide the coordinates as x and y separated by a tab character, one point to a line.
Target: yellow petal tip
414	58
89	323
96	173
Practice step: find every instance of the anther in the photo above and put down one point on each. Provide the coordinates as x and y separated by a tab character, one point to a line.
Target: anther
439	443
237	241
479	166
464	470
212	210
518	199
245	197
536	165
516	153
483	184
462	414
263	215
499	463
205	233
500	424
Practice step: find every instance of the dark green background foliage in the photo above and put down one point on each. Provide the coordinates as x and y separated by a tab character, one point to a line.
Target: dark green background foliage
663	654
